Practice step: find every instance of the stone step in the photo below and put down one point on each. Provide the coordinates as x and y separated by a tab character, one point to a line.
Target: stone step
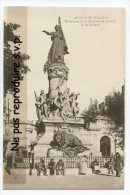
73	171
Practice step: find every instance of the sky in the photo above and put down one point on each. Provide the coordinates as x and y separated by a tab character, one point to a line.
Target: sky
95	60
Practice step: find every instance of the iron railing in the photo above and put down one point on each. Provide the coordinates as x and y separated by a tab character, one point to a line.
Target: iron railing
69	162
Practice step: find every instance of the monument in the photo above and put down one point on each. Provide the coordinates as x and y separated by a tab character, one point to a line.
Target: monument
57	110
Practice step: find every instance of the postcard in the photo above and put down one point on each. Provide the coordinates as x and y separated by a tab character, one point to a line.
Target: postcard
64	87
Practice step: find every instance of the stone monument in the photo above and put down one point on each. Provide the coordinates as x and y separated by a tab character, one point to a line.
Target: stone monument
57	110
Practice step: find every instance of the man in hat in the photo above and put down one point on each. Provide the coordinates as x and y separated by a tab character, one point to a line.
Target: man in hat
41	167
118	164
51	166
110	165
31	159
60	167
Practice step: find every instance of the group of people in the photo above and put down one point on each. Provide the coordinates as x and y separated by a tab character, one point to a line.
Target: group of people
58	168
63	105
115	164
83	166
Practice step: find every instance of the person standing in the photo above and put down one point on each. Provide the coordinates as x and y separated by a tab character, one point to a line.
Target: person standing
60	167
118	164
83	166
51	167
9	158
92	166
111	166
31	159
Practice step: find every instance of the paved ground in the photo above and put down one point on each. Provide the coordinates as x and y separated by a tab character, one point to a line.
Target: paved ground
18	180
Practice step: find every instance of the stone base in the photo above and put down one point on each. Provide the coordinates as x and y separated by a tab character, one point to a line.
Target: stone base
40	150
69	125
73	171
50	125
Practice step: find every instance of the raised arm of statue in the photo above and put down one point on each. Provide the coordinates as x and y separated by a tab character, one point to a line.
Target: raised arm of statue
58	48
35	94
48	33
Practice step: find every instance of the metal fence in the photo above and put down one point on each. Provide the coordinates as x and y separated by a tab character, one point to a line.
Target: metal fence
69	162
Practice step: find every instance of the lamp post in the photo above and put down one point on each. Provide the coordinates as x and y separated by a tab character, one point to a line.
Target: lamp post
115	141
91	155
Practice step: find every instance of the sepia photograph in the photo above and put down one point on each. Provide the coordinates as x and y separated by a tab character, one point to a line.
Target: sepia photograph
64	97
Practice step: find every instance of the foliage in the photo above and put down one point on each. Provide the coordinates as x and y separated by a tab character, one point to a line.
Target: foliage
9	35
113	108
92	112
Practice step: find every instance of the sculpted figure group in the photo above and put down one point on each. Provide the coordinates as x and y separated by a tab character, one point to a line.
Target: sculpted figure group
63	105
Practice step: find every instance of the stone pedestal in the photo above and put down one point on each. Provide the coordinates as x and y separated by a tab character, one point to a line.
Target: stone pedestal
57	76
51	124
58	107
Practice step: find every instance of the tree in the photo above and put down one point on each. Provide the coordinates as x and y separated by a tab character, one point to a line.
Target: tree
9	35
115	111
91	113
113	108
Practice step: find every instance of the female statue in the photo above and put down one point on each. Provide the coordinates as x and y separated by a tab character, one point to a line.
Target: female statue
58	48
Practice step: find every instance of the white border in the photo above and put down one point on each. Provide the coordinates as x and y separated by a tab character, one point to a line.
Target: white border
74	3
67	3
1	96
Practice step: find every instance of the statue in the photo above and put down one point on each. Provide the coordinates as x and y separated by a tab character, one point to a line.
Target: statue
75	110
74	104
54	107
61	105
58	102
44	106
63	109
38	106
59	47
41	104
68	143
